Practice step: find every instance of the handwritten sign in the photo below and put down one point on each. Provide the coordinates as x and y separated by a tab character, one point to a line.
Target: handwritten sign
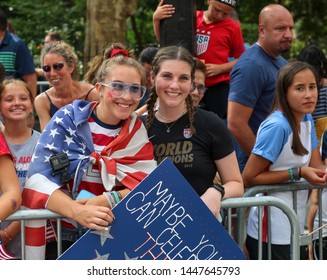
163	218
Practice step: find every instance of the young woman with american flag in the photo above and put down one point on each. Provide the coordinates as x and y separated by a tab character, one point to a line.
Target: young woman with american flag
108	151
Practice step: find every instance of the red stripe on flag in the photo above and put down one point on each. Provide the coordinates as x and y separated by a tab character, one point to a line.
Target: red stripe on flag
34	199
4	255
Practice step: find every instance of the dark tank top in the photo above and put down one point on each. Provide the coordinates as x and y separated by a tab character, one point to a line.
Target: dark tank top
54	108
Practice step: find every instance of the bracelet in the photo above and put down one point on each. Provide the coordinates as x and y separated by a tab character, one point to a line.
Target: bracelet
119	195
115	196
296	173
290	171
7	235
108	197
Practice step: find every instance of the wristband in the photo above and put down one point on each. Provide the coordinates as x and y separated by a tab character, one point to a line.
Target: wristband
290	171
108	197
219	188
296	173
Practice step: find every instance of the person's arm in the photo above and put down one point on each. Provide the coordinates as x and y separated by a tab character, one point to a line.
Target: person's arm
238	117
101	200
163	11
10	232
311	216
10	198
231	180
142	110
88	215
42	108
31	81
217	69
256	173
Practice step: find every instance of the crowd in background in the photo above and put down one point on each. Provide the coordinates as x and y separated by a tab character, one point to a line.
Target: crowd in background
248	116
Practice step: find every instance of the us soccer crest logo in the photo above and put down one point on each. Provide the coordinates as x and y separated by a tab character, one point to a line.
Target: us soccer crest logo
202	42
187	133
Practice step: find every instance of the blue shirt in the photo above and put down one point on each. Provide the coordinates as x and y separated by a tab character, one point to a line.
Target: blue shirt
15	57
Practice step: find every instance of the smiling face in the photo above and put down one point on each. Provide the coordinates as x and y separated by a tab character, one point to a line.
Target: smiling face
114	109
173	83
15	102
57	77
199	80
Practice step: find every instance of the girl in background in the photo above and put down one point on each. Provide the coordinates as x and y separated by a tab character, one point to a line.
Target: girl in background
10	191
286	150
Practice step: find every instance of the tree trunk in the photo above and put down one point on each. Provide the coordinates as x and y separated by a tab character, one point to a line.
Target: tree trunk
105	23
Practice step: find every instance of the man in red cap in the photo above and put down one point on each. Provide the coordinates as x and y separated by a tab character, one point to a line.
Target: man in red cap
218	37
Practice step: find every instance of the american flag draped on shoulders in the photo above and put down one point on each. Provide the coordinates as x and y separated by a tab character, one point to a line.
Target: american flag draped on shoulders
128	159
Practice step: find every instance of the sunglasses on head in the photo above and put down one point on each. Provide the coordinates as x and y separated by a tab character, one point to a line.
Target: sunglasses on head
56	66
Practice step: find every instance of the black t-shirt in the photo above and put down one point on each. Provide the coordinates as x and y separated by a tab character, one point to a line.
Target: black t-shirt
193	155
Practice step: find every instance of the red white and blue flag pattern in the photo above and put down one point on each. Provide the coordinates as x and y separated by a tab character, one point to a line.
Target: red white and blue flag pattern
4	255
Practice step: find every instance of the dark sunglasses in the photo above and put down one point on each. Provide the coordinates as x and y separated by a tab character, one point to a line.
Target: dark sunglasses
56	66
201	88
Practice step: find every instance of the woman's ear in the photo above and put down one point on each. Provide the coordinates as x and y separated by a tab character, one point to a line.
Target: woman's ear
152	78
98	87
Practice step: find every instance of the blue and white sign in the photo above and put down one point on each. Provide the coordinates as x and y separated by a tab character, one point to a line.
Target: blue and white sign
163	218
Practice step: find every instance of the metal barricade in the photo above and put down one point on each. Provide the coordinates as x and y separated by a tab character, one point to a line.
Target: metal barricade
229	203
40	214
245	202
42	86
268	189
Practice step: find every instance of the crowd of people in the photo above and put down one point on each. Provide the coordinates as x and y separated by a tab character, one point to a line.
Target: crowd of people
256	119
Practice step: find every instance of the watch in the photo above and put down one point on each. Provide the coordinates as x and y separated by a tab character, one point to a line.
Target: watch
219	188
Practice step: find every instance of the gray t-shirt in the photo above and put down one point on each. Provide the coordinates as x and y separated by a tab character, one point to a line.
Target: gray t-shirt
22	154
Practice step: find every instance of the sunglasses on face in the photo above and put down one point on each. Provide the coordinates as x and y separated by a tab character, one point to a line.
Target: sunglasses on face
56	66
119	89
201	88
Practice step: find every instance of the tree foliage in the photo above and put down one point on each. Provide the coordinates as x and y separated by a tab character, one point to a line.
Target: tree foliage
33	18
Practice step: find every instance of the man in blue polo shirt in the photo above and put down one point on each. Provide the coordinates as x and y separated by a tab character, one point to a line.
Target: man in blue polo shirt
253	78
15	56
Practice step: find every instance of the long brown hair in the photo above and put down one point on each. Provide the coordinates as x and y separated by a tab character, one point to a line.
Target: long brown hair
171	53
284	80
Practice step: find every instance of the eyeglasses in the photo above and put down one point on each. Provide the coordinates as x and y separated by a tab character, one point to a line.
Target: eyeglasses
201	88
119	89
56	66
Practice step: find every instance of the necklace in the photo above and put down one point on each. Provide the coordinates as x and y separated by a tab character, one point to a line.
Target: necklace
170	126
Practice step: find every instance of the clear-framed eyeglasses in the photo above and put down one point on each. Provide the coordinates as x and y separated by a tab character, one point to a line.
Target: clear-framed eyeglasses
119	89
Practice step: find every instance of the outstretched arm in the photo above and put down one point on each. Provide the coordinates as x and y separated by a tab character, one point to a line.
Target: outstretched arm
90	216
